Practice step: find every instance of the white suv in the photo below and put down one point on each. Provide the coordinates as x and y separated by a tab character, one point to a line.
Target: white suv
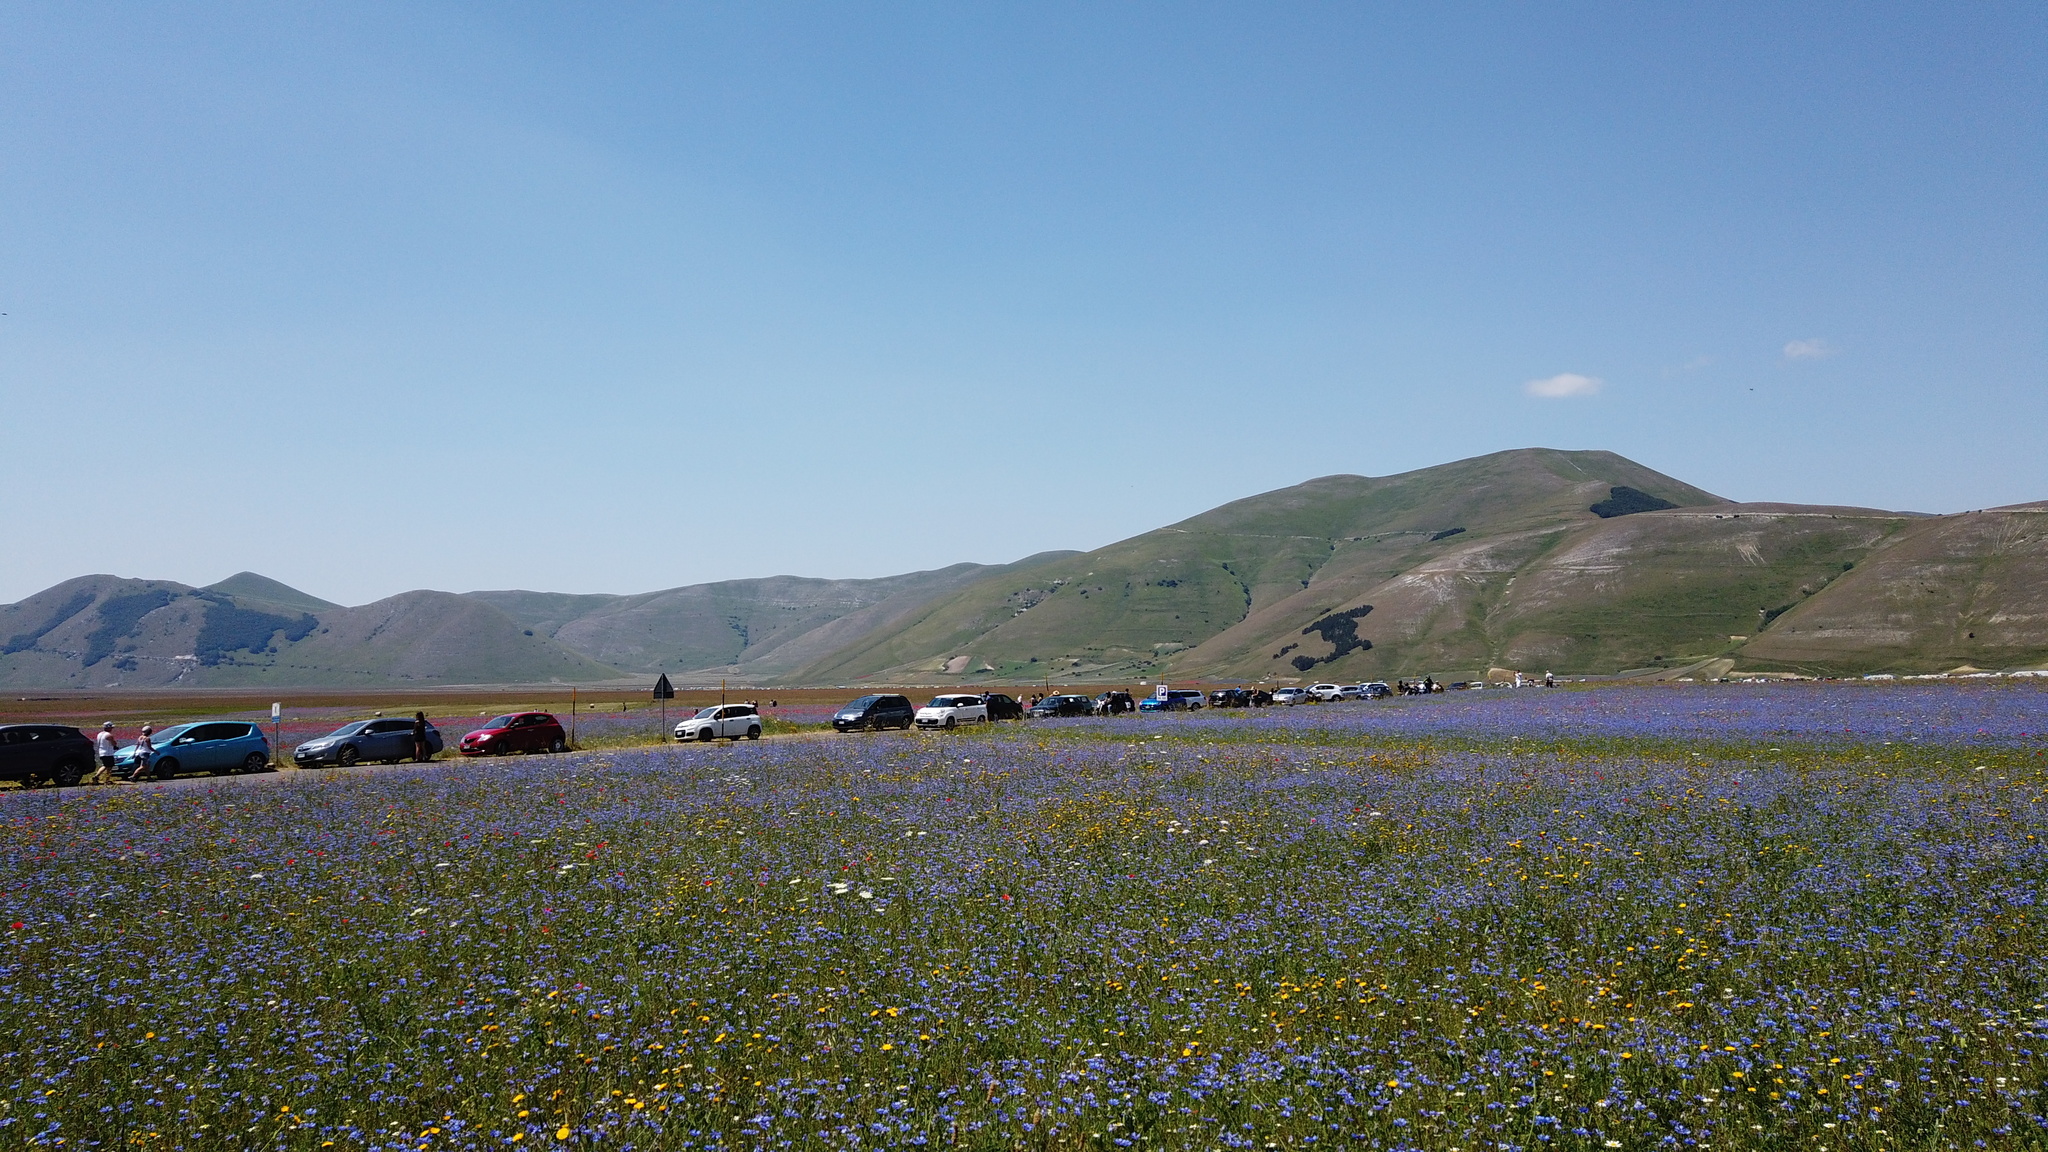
1326	692
731	721
952	711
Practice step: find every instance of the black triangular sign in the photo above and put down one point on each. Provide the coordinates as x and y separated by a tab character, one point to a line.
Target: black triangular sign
663	690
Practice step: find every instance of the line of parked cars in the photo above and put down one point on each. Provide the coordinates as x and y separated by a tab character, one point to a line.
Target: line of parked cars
33	754
36	754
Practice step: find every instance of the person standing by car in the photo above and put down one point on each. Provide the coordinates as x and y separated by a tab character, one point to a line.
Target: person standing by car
419	738
104	746
145	748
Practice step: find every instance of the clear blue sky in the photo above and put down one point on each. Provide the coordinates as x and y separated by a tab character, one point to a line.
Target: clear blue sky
608	298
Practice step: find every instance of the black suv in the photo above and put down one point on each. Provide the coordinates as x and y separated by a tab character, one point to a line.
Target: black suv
1001	707
32	754
875	713
1230	698
1064	706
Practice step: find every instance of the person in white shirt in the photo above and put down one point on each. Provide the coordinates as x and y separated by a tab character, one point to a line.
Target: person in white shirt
104	746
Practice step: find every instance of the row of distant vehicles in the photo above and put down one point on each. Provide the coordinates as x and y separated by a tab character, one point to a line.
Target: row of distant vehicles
53	753
882	711
953	709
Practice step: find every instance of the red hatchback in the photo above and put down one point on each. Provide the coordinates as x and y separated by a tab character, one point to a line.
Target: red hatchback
516	732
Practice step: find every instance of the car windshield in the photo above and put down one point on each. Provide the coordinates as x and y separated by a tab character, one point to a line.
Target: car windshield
504	721
349	729
170	734
707	713
859	704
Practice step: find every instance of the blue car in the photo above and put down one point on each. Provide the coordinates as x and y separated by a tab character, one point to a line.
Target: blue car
214	746
1177	700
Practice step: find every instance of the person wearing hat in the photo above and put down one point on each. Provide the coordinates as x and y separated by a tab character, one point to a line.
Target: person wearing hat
104	746
145	749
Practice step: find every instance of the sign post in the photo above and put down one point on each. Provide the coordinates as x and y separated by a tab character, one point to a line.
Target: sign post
664	692
1159	691
276	731
572	717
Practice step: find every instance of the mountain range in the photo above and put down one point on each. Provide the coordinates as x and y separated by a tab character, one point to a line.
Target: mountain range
1578	562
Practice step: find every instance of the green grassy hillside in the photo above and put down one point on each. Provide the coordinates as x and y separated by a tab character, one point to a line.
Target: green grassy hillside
104	631
1969	590
1138	606
1537	559
749	628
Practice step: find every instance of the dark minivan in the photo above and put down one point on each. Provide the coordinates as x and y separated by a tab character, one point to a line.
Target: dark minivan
32	754
1001	707
875	713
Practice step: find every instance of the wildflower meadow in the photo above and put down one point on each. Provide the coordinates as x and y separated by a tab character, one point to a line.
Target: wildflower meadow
1704	917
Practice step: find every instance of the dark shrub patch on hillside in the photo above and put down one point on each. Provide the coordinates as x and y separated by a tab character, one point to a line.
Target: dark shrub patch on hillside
118	617
65	611
231	628
1445	534
1340	630
1626	501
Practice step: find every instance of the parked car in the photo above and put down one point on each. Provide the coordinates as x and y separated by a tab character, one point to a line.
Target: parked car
1177	700
1065	705
1001	707
1115	702
34	754
1377	690
875	713
1292	695
729	721
952	711
1326	692
1230	698
388	739
516	732
209	746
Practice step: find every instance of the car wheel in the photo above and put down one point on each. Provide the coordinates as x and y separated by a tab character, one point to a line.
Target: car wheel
163	768
704	736
558	745
69	774
949	721
753	733
255	762
347	755
874	725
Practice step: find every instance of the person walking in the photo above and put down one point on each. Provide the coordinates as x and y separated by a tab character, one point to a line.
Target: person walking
420	751
145	751
104	746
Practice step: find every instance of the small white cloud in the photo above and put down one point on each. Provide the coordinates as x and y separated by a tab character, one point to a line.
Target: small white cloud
1562	385
1815	349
